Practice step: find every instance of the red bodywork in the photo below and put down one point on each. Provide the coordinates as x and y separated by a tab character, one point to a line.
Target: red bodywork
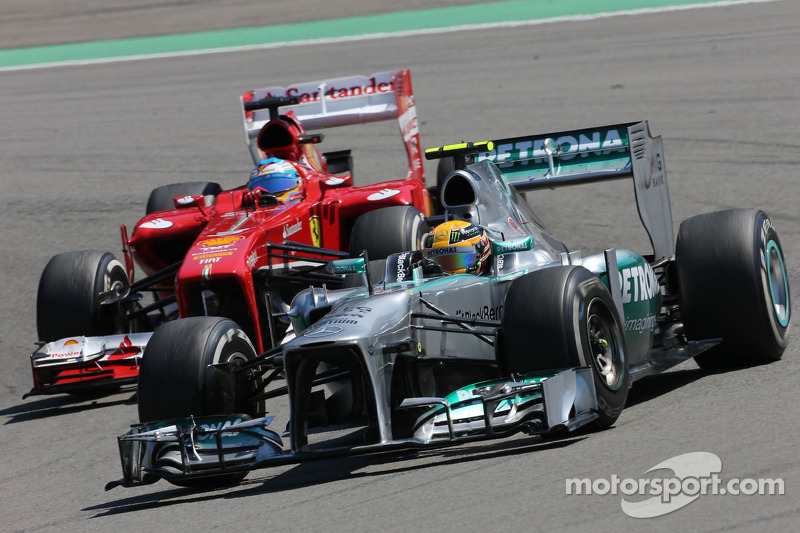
224	244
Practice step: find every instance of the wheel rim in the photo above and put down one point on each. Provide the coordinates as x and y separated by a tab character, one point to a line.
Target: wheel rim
778	283
605	346
245	385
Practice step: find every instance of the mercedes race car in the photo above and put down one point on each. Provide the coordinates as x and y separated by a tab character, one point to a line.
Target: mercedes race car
495	327
210	252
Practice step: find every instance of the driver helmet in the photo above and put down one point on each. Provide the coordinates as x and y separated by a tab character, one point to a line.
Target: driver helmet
459	247
278	178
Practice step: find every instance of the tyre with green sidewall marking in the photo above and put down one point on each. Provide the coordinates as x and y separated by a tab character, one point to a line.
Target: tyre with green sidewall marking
733	285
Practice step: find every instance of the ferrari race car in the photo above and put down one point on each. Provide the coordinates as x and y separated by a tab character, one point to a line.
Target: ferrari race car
494	328
235	253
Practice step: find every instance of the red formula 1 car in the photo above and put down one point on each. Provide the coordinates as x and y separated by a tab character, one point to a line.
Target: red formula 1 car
239	252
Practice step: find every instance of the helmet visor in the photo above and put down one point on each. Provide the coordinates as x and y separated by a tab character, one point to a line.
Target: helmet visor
454	258
273	184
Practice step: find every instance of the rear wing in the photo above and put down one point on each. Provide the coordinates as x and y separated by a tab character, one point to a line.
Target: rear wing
583	156
342	102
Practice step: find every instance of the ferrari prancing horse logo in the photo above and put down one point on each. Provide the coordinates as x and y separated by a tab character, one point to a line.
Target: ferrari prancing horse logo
316	235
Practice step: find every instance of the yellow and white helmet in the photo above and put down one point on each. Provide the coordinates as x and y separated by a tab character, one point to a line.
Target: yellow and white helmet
459	247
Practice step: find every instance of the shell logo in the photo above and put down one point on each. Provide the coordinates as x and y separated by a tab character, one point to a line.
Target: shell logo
221	241
71	342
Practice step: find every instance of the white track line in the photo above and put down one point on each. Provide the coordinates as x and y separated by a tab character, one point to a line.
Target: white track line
384	35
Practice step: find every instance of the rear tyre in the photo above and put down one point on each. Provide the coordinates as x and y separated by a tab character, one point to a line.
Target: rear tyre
68	300
163	198
174	381
564	317
389	230
733	285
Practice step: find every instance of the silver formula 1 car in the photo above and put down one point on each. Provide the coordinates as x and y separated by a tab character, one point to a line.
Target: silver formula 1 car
544	341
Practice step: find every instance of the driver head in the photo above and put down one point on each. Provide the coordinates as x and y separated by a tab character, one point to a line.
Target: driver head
459	247
278	178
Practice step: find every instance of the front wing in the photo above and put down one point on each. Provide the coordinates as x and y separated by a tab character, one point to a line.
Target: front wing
538	404
78	364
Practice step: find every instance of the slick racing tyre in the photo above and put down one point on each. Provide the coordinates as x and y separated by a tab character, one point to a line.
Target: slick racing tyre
733	285
389	230
564	317
69	296
163	198
174	381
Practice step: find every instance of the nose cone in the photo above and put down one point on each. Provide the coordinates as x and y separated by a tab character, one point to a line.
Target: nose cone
359	318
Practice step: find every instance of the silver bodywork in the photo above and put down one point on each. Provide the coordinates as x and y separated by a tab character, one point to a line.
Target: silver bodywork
437	331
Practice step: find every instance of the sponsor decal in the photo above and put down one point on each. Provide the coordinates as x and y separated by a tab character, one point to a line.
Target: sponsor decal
316	231
65	355
567	147
408	123
382	194
516	245
71	342
402	270
346	315
372	86
464	395
220	241
638	284
464	234
313	156
641	324
292	229
158	223
353	268
482	313
251	260
207	271
185	200
441	251
322	331
217	426
356	265
656	175
316	91
334	181
198	257
515	226
210	260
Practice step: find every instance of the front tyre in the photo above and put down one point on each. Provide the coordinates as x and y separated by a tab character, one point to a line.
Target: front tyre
68	302
733	285
389	230
563	317
174	381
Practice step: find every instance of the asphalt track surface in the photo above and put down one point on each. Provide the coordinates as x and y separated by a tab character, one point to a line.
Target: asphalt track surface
83	146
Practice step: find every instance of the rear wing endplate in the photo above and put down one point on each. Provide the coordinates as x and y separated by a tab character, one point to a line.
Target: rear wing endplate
595	154
342	102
